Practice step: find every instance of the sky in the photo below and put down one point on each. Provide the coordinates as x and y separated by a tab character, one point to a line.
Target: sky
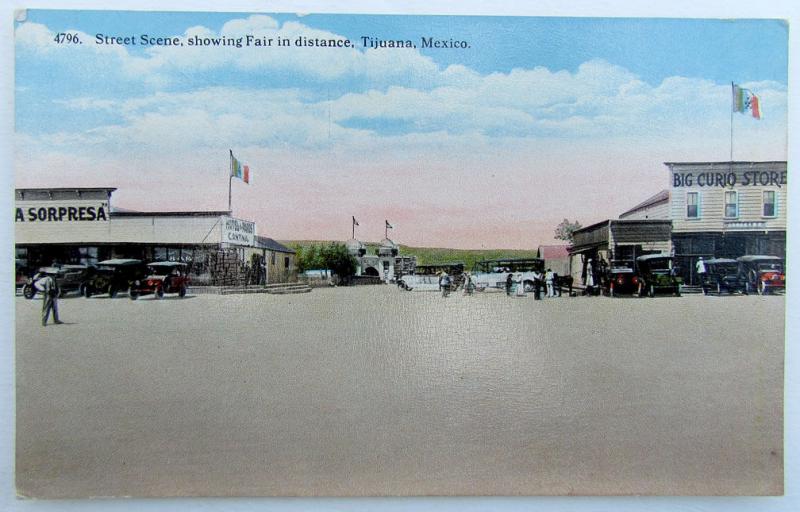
489	146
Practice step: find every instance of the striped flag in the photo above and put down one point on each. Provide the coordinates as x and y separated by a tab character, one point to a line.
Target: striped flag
239	170
388	226
745	101
355	222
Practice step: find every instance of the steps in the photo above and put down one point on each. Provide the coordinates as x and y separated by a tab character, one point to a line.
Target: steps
276	289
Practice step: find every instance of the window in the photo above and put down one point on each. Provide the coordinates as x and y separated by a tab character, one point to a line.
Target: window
692	206
731	204
768	209
286	262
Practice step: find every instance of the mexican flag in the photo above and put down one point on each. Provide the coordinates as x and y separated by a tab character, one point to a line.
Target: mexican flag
239	170
745	101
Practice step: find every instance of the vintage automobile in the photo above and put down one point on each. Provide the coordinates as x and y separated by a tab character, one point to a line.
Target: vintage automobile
620	279
722	275
426	277
493	273
21	274
162	277
69	278
657	274
762	274
113	276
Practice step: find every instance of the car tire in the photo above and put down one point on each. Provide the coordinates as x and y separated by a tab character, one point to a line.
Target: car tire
527	286
182	292
132	294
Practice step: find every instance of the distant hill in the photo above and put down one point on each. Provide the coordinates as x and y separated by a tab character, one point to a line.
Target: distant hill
435	255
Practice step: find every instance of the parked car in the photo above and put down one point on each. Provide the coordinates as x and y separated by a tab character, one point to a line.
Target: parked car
426	277
21	274
722	275
762	274
69	278
657	274
112	276
162	277
620	279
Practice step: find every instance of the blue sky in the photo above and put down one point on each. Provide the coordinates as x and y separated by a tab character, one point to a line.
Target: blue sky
536	101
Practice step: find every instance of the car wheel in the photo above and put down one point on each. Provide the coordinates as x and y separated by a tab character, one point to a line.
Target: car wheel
133	294
182	292
112	291
28	291
527	286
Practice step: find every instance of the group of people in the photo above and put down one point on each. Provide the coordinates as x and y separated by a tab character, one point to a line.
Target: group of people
447	283
547	281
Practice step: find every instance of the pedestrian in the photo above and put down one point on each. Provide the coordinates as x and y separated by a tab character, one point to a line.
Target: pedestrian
444	284
47	285
469	285
589	280
556	286
700	266
509	283
520	285
538	281
548	279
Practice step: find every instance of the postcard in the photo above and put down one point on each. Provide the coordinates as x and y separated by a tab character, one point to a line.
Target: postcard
274	254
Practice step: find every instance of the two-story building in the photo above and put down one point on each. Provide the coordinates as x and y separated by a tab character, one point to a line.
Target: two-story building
726	209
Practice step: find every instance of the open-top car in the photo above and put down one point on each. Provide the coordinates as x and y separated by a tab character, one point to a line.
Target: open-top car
426	277
657	274
162	277
620	278
494	273
762	274
722	275
68	278
114	275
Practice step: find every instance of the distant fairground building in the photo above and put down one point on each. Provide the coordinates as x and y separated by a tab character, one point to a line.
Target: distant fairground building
386	263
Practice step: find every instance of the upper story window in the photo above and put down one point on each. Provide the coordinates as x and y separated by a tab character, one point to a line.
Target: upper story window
692	205
768	198
731	204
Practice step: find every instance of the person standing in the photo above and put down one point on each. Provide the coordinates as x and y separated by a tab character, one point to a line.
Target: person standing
469	286
700	266
548	280
538	280
47	285
444	284
509	284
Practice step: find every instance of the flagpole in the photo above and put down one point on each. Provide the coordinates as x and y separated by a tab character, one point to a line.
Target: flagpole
732	106
354	228
230	178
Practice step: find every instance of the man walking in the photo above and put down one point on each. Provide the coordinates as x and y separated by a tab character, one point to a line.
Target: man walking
548	279
47	285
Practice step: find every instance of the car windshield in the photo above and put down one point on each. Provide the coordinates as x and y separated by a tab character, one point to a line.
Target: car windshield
660	265
725	268
769	266
160	270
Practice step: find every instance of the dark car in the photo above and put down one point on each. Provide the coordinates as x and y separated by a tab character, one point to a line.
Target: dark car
620	279
112	276
162	277
657	274
69	278
722	275
762	274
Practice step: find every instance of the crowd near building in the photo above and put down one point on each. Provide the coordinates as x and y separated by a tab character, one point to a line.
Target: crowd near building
711	209
81	226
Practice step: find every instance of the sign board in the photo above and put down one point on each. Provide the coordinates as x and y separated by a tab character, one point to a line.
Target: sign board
58	212
238	232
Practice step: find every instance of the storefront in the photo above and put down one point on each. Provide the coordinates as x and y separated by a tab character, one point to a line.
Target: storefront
80	226
726	209
595	247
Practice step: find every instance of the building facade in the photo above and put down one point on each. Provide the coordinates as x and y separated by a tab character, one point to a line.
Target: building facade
80	225
726	209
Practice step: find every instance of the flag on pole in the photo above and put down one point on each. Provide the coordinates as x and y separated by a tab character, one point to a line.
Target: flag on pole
388	226
355	222
745	101
239	170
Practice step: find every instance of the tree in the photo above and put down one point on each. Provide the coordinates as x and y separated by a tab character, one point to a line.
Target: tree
338	259
565	230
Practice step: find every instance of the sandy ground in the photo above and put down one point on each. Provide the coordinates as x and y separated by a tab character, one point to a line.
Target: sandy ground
377	391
